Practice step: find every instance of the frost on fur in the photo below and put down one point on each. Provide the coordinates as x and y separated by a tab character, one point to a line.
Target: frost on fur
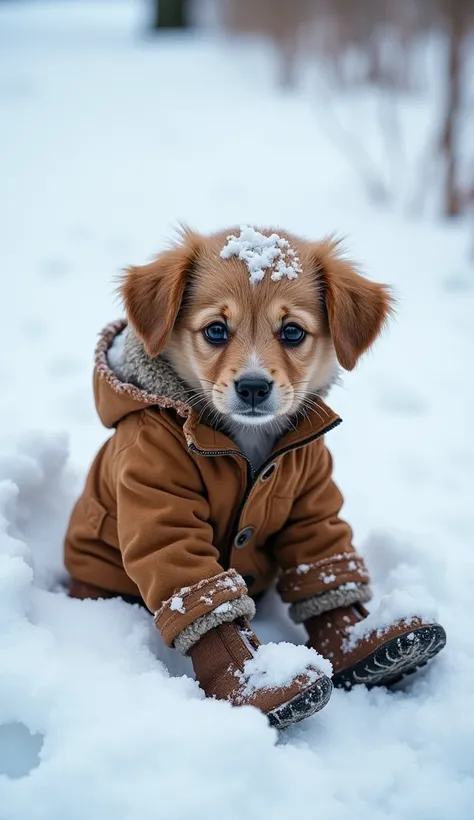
260	252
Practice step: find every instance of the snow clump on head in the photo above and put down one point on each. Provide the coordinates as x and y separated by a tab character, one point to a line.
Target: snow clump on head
260	252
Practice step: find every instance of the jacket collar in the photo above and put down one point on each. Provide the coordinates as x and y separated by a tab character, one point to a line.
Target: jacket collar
207	441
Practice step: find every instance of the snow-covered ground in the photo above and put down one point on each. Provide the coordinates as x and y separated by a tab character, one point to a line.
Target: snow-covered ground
107	139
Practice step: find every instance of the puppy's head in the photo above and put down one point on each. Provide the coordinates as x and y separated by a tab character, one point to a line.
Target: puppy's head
254	351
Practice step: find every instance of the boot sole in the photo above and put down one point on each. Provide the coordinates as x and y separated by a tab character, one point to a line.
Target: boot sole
389	663
303	705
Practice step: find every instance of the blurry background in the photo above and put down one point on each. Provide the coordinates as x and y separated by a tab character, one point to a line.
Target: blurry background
119	119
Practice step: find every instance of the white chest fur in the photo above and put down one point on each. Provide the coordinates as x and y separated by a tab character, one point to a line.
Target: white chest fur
255	443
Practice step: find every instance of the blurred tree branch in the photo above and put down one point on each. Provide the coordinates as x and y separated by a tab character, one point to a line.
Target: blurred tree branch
280	21
456	14
377	44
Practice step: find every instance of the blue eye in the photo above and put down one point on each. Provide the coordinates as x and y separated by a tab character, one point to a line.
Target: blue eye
292	334
216	333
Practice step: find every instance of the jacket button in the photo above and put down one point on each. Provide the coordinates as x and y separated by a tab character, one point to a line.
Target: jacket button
243	537
268	472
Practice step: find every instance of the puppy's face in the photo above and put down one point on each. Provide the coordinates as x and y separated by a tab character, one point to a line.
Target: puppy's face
254	352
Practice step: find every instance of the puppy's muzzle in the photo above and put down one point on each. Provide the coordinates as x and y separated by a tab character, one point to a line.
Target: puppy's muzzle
253	391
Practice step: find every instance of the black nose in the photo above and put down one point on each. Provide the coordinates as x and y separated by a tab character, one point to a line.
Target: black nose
253	391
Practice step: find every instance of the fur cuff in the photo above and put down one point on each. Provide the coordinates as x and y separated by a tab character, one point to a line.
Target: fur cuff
346	595
327	574
189	604
242	607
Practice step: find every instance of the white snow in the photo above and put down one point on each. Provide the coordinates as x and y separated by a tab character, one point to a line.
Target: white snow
97	718
278	664
177	605
260	252
328	578
226	583
402	604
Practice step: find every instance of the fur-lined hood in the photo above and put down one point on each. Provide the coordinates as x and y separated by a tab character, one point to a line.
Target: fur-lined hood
118	389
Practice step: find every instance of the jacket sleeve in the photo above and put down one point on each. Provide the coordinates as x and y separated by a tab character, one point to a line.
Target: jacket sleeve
165	534
314	550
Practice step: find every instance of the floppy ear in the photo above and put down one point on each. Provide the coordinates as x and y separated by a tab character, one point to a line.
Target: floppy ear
356	307
153	293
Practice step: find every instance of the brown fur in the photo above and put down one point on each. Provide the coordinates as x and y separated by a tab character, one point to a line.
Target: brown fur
357	308
170	301
153	294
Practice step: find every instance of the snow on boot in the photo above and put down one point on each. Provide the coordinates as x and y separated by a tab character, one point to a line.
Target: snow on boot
288	683
372	656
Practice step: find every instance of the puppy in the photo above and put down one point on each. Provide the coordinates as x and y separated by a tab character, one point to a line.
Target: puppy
217	482
254	357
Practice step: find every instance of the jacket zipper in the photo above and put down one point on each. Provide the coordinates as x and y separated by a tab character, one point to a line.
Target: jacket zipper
254	475
262	468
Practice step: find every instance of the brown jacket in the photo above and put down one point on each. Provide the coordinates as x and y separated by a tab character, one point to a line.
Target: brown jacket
170	503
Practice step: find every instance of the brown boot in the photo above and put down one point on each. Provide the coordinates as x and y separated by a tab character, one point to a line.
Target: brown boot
377	658
219	660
